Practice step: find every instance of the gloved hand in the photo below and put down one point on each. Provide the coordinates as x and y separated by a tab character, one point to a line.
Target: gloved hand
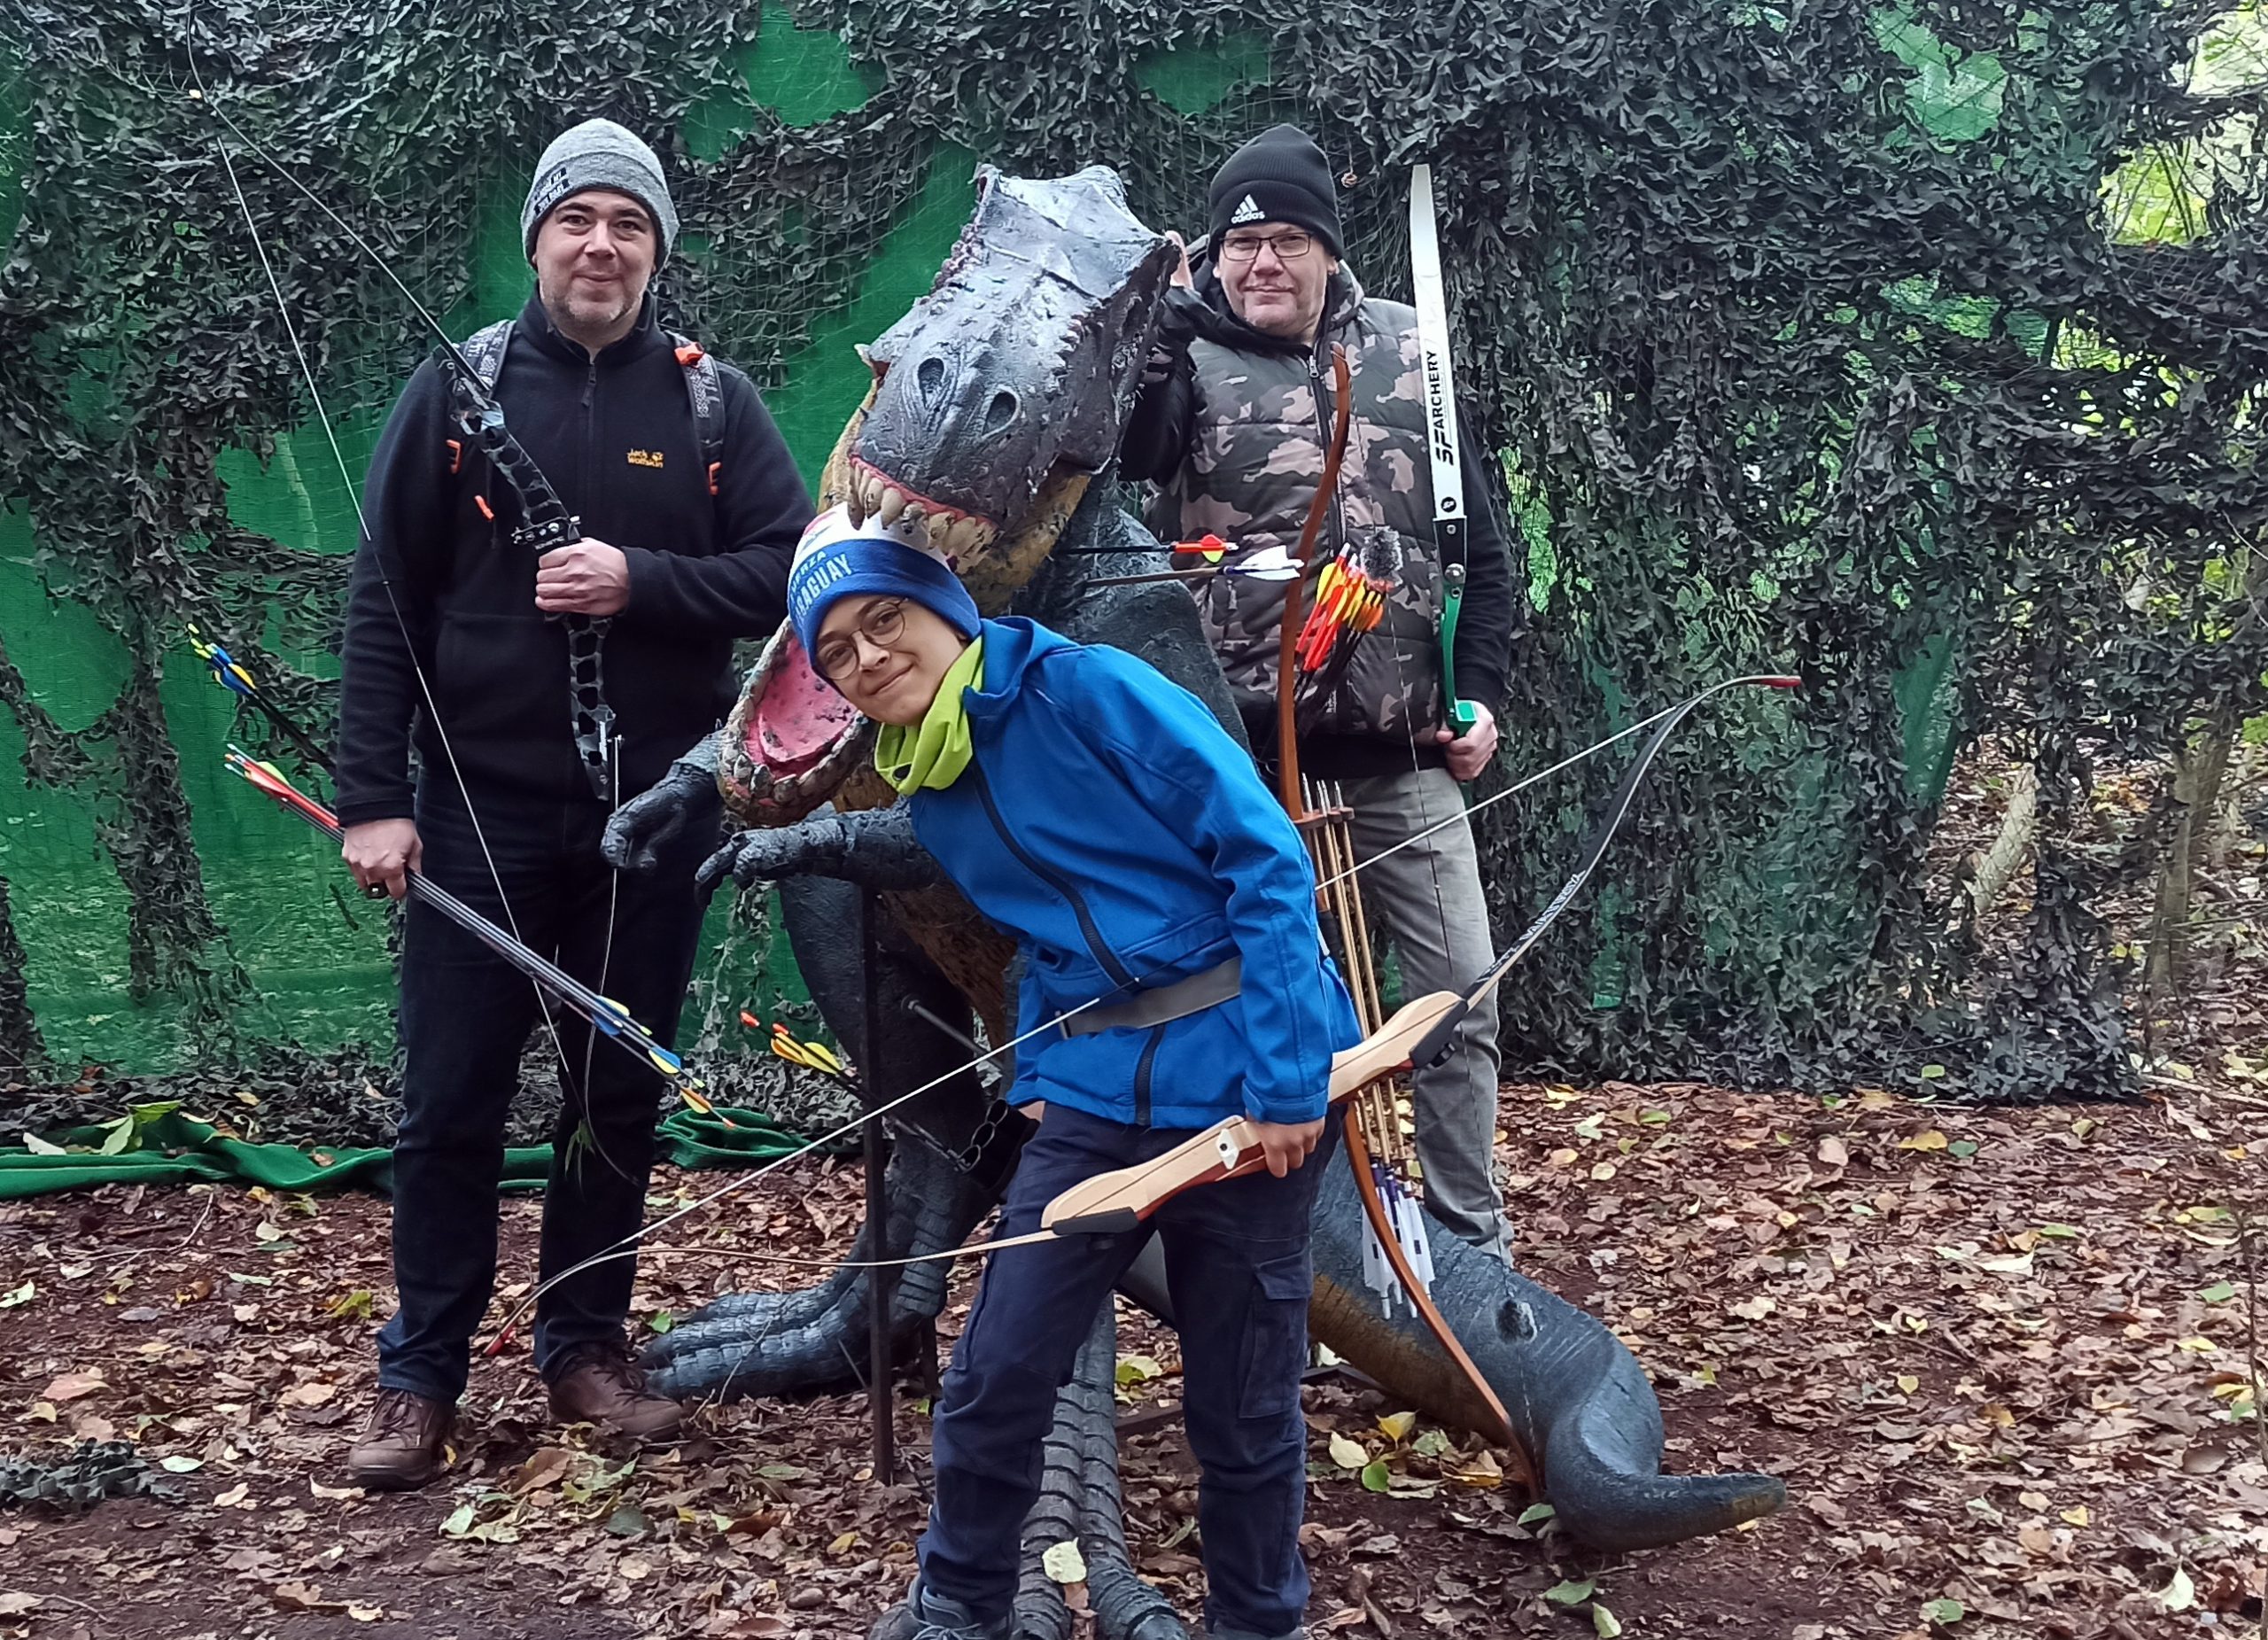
635	834
819	847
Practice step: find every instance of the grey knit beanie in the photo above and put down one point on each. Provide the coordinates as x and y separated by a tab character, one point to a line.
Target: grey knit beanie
599	153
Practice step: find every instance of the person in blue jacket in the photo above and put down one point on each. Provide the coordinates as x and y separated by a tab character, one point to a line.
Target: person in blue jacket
1165	909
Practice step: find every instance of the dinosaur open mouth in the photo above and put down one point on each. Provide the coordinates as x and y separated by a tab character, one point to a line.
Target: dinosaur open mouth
954	532
791	739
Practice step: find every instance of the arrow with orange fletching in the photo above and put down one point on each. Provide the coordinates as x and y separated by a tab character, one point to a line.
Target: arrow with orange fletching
607	1016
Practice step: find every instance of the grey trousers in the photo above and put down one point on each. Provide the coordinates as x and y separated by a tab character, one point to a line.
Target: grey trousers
1426	902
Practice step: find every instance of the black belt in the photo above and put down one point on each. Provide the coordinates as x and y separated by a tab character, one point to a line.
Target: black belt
1178	1001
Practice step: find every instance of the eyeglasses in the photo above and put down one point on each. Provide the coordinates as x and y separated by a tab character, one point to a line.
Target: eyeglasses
881	625
1288	246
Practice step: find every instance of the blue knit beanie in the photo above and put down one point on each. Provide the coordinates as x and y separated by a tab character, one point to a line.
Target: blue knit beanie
838	559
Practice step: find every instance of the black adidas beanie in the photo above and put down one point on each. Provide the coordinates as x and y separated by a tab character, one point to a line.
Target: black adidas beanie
1279	177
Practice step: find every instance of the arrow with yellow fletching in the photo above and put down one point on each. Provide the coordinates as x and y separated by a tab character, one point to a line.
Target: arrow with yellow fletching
232	675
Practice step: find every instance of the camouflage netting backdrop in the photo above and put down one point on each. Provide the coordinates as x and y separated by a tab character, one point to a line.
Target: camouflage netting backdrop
1917	348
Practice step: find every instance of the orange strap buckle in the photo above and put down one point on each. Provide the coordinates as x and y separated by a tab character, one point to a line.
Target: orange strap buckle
456	455
712	476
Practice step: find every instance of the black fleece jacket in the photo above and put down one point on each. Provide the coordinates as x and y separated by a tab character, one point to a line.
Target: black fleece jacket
1156	443
615	435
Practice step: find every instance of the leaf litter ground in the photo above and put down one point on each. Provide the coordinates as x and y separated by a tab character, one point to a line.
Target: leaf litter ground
1999	1355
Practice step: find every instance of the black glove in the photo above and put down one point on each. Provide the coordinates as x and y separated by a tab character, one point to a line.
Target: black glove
815	847
1181	317
639	827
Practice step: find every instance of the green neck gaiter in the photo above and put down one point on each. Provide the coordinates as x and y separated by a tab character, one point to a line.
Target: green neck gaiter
934	752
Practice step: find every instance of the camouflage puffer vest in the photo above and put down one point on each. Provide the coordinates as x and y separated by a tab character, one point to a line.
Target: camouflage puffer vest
1259	432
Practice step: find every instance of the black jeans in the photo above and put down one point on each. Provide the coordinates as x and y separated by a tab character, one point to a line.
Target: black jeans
1238	1267
465	1017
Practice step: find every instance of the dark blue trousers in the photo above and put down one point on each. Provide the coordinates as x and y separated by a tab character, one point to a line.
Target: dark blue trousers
1238	1268
465	1016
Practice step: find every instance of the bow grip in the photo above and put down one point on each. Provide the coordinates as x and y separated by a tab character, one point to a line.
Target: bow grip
1112	1203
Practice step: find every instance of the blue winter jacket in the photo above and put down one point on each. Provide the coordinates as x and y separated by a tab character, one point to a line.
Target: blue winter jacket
1110	824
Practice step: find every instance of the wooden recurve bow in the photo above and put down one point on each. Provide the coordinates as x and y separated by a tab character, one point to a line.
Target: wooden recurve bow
1371	1127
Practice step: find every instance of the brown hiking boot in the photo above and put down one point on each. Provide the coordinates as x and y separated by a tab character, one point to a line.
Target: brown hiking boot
406	1445
598	1383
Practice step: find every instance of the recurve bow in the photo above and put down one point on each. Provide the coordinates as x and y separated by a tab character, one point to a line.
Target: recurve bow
1372	1134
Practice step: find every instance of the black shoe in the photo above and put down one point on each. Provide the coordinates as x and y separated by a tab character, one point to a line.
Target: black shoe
925	1615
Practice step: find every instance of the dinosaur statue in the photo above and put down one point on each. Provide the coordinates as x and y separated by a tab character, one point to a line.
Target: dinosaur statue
993	422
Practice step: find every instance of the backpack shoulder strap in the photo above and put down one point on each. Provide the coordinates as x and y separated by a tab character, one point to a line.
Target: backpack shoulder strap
705	392
484	350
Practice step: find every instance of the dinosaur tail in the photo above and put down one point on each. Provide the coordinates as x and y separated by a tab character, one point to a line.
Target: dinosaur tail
1611	1494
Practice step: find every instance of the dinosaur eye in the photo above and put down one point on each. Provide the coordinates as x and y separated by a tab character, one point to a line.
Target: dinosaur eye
1000	412
932	376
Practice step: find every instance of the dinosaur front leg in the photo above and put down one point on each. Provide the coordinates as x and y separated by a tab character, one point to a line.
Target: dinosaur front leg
685	794
874	847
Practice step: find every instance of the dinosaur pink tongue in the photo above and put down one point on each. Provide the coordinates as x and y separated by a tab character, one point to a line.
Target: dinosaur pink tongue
799	718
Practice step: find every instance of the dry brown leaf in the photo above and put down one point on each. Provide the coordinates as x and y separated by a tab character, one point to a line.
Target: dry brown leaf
71	1386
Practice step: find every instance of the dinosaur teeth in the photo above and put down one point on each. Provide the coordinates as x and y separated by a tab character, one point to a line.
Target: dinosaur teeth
891	504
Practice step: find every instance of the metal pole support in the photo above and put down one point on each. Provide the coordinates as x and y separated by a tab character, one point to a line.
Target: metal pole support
881	1284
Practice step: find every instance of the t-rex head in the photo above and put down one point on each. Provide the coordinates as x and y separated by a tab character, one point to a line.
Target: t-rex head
1017	369
995	399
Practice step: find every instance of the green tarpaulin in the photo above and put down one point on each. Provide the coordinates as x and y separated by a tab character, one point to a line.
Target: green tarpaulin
173	1149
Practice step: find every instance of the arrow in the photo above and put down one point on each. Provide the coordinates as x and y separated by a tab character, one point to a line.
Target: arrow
232	675
1269	564
607	1016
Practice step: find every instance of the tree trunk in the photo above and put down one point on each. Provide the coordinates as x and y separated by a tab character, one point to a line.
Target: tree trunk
2228	817
2198	768
1997	864
21	1051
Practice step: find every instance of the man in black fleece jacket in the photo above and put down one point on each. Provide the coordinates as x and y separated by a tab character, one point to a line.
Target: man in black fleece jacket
454	644
1231	423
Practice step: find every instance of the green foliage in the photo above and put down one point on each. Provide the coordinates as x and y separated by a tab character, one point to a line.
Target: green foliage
1917	347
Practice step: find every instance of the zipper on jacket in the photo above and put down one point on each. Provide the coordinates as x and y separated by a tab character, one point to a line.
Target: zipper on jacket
591	425
1097	946
1142	1075
1323	427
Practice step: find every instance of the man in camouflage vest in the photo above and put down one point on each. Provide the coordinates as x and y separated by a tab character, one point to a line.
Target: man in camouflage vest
1232	425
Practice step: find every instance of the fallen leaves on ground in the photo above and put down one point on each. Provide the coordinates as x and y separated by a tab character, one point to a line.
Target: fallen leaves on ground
2005	1373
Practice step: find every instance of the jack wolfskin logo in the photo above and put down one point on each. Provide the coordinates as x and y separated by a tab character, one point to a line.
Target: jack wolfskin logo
1248	211
549	192
645	458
